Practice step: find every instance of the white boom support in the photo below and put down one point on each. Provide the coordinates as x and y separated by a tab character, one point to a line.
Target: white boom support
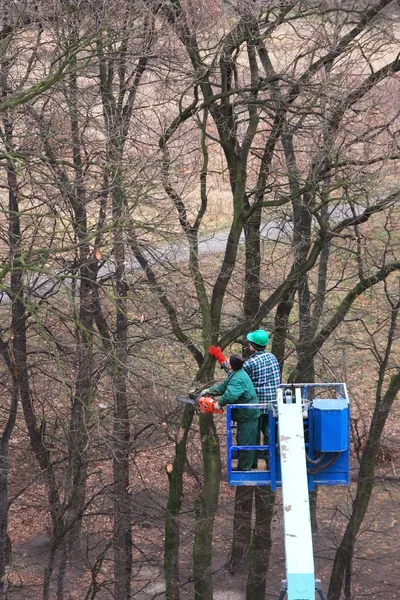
296	509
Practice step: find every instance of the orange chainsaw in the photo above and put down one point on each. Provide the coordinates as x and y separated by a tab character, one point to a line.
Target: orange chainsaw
203	404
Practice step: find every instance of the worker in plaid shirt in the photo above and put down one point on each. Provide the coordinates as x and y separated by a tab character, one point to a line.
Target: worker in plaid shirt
263	369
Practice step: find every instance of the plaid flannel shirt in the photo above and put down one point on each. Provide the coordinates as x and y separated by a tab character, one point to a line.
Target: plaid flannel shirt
263	369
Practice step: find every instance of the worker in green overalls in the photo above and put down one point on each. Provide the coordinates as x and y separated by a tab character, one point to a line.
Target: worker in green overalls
238	388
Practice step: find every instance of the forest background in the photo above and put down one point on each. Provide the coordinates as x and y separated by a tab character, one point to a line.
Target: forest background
173	175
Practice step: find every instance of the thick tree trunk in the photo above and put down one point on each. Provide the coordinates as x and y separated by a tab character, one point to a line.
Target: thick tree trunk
282	315
122	513
313	499
206	507
261	543
241	540
80	410
365	484
175	494
251	301
81	402
5	543
3	512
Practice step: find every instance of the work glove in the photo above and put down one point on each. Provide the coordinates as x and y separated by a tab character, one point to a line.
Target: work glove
204	392
216	352
217	406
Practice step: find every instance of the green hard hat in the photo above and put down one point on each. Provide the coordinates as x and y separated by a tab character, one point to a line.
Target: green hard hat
258	337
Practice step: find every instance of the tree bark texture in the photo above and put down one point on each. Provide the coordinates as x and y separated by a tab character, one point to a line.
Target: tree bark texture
206	507
261	543
251	300
172	516
4	554
122	513
82	398
5	543
365	484
241	539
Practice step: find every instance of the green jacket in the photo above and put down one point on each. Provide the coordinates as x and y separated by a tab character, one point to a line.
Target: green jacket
238	388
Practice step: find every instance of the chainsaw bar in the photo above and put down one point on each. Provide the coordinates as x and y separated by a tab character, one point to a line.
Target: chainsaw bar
187	400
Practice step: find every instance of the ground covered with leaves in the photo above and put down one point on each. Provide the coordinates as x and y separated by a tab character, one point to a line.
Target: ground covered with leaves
375	565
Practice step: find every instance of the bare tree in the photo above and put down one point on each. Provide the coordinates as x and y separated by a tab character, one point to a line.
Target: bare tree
273	123
290	102
388	386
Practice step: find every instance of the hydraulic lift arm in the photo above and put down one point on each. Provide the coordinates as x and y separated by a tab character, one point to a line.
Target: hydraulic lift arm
296	509
300	583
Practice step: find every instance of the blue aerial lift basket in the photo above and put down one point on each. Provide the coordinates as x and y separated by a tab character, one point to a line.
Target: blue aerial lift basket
326	421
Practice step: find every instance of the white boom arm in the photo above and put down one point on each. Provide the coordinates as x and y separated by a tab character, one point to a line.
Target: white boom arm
296	509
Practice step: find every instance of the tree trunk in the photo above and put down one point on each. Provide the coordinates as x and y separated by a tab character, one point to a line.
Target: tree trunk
50	567
122	519
206	507
3	512
238	559
175	494
5	543
313	500
365	483
79	427
19	346
282	315
261	543
122	513
81	402
251	301
117	115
